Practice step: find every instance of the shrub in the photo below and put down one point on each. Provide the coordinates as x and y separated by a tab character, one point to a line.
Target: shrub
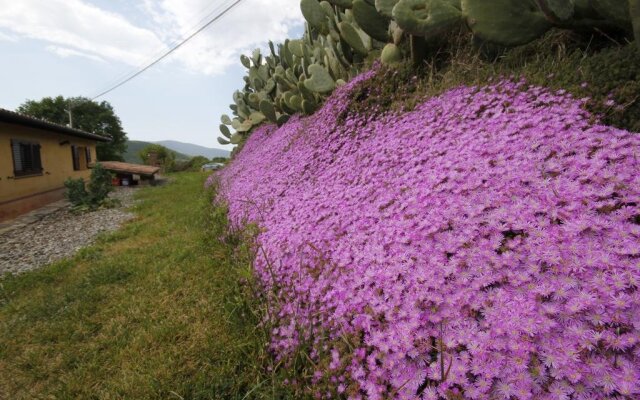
76	192
93	195
155	154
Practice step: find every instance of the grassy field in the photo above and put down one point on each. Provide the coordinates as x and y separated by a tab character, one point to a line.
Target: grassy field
154	310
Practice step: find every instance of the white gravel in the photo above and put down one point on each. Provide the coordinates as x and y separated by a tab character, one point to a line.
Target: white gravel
60	234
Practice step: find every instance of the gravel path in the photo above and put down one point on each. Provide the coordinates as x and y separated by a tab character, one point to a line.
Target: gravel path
59	235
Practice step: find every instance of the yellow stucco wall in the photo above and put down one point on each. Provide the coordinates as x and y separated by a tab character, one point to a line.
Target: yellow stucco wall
57	162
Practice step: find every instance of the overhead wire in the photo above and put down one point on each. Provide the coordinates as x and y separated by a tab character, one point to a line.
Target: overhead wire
171	50
160	50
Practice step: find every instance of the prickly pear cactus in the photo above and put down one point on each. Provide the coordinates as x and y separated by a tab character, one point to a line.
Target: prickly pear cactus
341	3
634	7
557	10
320	81
616	11
266	107
426	17
385	7
372	22
351	36
505	22
225	119
246	62
391	54
225	131
314	14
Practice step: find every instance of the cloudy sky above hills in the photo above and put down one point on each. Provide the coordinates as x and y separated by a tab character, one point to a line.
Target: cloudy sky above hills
81	47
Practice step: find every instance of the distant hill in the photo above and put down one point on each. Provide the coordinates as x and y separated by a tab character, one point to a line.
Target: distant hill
134	147
194	149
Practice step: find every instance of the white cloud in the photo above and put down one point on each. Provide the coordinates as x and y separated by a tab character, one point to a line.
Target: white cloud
66	52
75	24
78	28
248	25
7	38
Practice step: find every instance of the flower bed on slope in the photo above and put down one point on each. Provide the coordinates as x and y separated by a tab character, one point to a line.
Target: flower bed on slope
486	244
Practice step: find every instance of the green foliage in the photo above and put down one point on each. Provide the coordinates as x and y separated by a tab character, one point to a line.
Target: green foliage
158	154
370	20
99	185
635	18
391	54
121	320
343	37
94	195
505	22
89	116
76	192
427	18
193	164
557	11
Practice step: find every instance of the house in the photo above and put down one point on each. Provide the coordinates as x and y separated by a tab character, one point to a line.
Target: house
36	157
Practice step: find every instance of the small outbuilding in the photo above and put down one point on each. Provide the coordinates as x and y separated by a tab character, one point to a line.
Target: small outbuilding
127	174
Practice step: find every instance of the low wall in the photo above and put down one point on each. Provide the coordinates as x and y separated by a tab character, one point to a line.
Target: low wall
13	208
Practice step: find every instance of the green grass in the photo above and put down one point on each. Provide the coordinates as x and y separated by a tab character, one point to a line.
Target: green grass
154	310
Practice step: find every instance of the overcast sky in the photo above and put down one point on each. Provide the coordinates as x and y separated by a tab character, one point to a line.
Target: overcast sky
81	47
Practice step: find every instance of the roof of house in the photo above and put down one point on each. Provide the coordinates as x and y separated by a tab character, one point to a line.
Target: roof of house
11	117
136	169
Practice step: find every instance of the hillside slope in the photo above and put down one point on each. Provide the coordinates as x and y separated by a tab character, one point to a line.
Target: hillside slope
194	149
134	147
482	245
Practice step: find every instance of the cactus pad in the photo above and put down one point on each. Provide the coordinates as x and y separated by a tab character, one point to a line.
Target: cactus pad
372	22
385	7
634	6
351	36
557	10
266	107
308	107
313	13
225	119
223	141
320	81
391	54
616	11
246	62
426	17
505	22
236	138
225	131
341	3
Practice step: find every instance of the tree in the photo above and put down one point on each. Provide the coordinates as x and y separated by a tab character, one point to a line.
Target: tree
87	115
155	154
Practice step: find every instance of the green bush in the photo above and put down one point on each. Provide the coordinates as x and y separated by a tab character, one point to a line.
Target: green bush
155	154
76	192
95	194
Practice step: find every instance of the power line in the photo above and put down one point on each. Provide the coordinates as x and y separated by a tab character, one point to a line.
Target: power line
161	50
171	50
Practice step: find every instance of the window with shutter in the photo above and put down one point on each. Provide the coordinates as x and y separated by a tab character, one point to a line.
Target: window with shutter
75	155
26	158
88	153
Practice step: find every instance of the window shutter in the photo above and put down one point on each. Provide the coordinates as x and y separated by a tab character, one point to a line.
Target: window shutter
26	158
37	161
88	152
17	157
76	160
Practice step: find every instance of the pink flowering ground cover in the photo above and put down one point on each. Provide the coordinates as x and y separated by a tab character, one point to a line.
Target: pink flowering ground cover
484	245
